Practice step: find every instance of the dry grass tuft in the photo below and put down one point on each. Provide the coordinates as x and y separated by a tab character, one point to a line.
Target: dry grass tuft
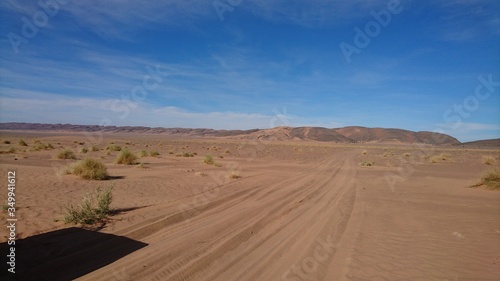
66	154
209	160
367	164
113	147
489	160
89	169
491	179
126	157
93	208
233	174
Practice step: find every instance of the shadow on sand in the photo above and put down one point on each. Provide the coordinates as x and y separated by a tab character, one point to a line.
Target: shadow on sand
65	254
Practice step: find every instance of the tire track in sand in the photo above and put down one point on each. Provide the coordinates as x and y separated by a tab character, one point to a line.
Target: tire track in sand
269	232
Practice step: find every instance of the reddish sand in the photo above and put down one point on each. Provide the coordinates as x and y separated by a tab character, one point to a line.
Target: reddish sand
299	211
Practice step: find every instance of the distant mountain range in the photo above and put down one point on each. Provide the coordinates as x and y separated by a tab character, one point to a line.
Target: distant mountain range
352	134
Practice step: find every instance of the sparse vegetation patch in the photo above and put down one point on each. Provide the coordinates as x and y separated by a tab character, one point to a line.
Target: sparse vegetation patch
126	157
492	179
89	169
66	154
208	160
488	160
113	147
94	207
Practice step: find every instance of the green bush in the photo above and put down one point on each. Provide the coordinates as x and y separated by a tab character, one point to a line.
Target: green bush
66	154
89	169
93	208
126	157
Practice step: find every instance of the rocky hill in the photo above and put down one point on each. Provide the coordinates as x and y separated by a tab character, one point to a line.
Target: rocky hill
352	134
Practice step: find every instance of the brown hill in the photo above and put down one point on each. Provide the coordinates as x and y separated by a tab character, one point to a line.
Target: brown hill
493	143
351	134
377	135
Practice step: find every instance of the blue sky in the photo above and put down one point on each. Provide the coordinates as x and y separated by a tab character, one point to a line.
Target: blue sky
229	64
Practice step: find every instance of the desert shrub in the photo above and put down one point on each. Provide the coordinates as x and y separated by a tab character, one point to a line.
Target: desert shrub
366	164
84	150
488	160
141	166
113	147
49	146
491	179
89	169
94	147
22	143
441	157
66	154
38	146
126	157
94	207
143	153
365	152
407	154
171	152
154	153
185	154
11	150
233	174
208	160
385	154
444	156
6	142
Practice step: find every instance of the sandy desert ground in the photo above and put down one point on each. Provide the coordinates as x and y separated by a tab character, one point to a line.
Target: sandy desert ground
298	211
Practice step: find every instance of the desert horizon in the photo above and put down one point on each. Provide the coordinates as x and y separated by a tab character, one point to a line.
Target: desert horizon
347	134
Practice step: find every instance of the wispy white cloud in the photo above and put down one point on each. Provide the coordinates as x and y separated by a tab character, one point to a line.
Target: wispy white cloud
314	12
470	131
466	20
